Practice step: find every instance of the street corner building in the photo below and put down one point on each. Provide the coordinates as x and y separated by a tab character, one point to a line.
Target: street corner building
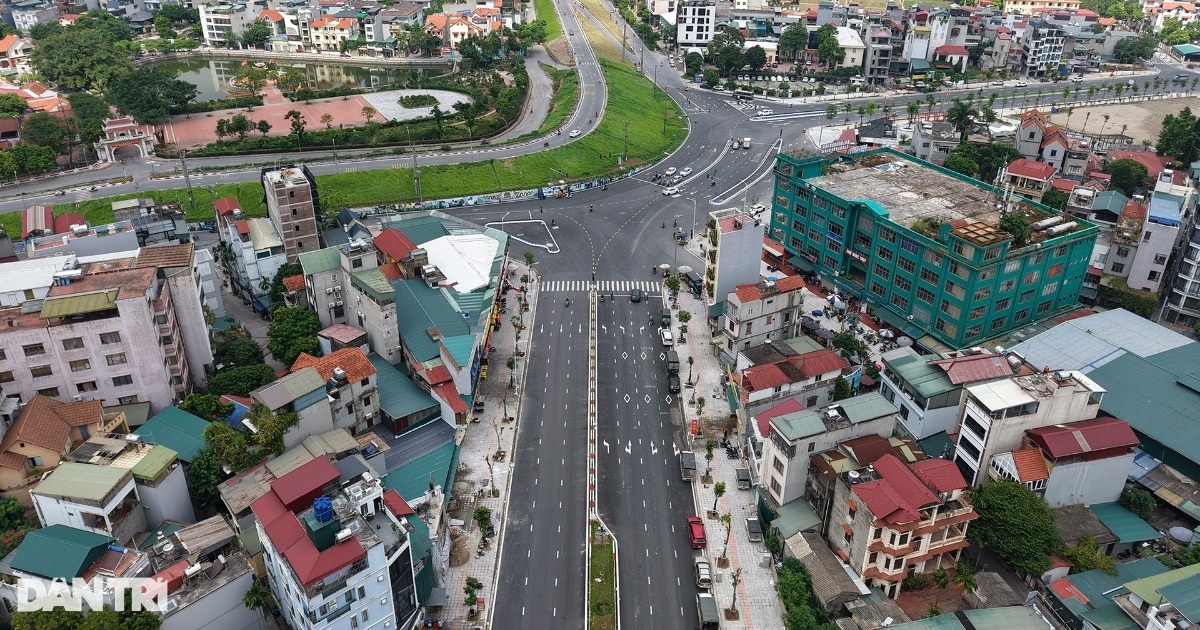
923	246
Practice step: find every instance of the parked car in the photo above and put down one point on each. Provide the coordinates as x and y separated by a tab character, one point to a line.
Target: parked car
703	573
667	338
696	532
671	171
1022	84
998	82
673	383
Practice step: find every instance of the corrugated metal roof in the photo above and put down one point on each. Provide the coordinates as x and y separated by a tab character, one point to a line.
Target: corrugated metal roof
398	395
177	430
320	261
927	379
419	228
1000	394
465	259
866	407
37	273
412	480
153	463
79	304
59	551
794	516
1147	588
263	235
1153	403
1125	525
373	283
288	388
72	480
1184	595
420	308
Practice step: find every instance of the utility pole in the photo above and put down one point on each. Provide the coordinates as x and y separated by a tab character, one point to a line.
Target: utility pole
625	155
187	179
623	26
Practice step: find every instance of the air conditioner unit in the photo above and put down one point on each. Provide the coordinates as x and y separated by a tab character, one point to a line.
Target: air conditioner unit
77	398
328	291
339	302
338	289
369	415
332	304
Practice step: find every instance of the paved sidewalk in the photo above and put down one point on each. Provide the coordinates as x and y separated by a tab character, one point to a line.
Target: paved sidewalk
486	435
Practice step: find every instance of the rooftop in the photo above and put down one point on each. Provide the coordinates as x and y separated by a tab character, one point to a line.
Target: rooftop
1149	588
47	423
146	461
1089	342
1075	439
900	491
351	360
59	551
1029	388
398	395
82	482
176	429
344	333
844	413
263	235
1125	525
1003	618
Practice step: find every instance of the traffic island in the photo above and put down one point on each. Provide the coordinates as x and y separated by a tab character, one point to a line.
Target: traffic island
602	579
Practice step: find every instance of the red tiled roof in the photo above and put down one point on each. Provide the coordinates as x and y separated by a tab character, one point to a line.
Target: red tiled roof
226	205
1154	163
763	418
64	221
1030	464
243	227
764	376
1025	167
948	49
821	362
1134	210
449	393
1086	436
1063	185
940	474
47	423
352	360
391	271
751	292
438	374
294	283
899	495
270	14
868	448
970	369
287	535
1066	590
396	504
299	485
394	243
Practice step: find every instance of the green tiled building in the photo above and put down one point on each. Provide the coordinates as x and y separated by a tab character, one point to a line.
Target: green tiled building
922	244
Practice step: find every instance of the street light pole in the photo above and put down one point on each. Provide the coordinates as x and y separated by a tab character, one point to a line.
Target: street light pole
693	234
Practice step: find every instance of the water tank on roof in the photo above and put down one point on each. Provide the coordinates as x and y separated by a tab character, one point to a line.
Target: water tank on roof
323	509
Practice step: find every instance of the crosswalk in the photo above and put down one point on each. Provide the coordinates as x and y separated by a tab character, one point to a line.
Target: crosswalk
650	287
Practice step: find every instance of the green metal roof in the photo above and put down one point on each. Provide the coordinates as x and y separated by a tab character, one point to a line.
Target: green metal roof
1110	200
321	260
166	529
420	228
86	482
929	380
460	348
982	619
794	516
375	284
152	464
177	430
412	479
1184	595
802	424
79	304
1093	584
398	396
419	546
1187	49
136	414
1108	617
936	444
419	308
865	407
1147	588
1125	525
918	65
59	551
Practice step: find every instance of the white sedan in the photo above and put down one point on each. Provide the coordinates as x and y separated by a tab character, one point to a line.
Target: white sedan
671	171
670	190
574	133
667	338
685	172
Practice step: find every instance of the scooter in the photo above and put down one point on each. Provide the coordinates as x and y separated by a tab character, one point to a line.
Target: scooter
60	193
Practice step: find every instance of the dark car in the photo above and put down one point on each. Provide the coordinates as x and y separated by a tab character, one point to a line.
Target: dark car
696	532
636	295
673	383
666	317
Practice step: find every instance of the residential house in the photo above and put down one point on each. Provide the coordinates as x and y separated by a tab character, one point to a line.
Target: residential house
851	42
733	253
100	499
929	391
291	191
158	478
878	54
1042	46
345	285
757	313
1166	600
350	383
1028	178
29	13
452	29
331	33
996	415
933	141
403	406
178	430
1088	597
256	254
222	23
14	54
302	392
810	377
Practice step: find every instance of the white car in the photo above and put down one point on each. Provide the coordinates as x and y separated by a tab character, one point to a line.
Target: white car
574	133
1022	84
670	190
667	339
671	171
685	172
765	112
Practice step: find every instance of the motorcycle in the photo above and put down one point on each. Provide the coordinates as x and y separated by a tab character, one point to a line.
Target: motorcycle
60	193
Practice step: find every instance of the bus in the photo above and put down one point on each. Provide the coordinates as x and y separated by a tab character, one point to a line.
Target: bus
743	95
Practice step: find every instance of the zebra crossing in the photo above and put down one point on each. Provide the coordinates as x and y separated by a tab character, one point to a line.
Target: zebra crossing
650	287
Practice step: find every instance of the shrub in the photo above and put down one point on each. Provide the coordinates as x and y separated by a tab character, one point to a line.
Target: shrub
418	100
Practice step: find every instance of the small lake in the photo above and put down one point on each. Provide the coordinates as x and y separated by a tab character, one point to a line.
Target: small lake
212	76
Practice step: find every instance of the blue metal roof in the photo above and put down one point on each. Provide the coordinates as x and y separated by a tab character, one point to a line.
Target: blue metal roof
1164	210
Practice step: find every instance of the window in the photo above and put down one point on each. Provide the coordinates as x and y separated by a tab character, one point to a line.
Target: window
1123	252
902	283
127	400
1146	236
973	425
776	489
1118	267
1012	266
1152	276
1044	307
777	465
812	446
997	323
887	234
1025	296
929	275
74	343
951	309
881	271
877	288
1021	315
110	338
40	371
925	295
1160	259
6	377
34	461
950	329
883	253
837	211
991	253
3	356
52	392
906	264
1032	277
80	365
978	311
1007	286
34	350
89	386
933	257
119	381
1049	288
900	301
955	289
115	359
1060	251
1054	270
974	331
357	263
909	245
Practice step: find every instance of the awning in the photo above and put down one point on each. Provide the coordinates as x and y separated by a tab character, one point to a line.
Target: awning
262	304
802	263
895	321
79	304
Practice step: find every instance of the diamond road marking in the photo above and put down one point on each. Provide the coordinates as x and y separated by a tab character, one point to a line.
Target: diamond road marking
625	355
647	399
643	355
663	356
668	400
627	399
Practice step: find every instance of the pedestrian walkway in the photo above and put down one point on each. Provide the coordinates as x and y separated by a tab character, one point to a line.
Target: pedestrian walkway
487	476
603	286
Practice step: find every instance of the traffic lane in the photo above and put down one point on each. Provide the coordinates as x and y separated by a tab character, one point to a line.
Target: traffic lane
636	494
543	560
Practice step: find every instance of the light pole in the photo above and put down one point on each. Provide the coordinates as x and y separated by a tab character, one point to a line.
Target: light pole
673	233
693	234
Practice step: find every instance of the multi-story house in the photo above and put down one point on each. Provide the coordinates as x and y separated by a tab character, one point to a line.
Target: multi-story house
98	499
696	24
223	23
1076	165
852	43
42	434
337	551
1031	7
350	384
1039	139
757	313
304	393
1041	49
157	476
345	285
928	392
878	54
996	415
30	13
810	376
331	33
1085	462
453	28
733	253
1028	178
922	247
892	519
933	141
795	437
293	205
254	255
119	330
14	54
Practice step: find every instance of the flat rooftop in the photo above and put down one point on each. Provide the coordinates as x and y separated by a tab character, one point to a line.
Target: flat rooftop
909	191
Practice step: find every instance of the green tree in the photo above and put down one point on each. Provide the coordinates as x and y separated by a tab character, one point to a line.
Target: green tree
1017	225
693	62
148	94
90	111
33	159
1055	198
725	50
960	115
290	80
1087	555
1139	501
962	164
263	127
11	105
718	492
206	406
755	57
79	59
1134	49
830	52
439	118
164	27
231	447
297	122
293	330
240	125
1127	176
44	30
204	477
793	39
850	345
178	13
271	428
1016	524
482	517
257	597
841	389
1178	135
256	35
57	619
241	380
13	515
44	129
232	349
913	109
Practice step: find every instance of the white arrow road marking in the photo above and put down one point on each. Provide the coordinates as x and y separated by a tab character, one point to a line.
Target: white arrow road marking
629	448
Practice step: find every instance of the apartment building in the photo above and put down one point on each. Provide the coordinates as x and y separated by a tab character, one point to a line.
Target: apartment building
1041	49
922	247
223	23
696	24
891	519
928	391
293	205
337	552
733	253
757	313
996	415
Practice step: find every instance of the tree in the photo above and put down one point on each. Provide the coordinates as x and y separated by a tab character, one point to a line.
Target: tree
725	50
271	428
1017	225
290	80
12	515
718	492
1016	524
44	129
231	447
56	619
327	120
45	29
11	105
439	118
1087	555
1178	135
297	121
755	57
164	27
1134	49
693	62
148	94
793	39
960	115
831	112
204	477
80	58
841	389
91	111
32	159
293	330
256	597
257	34
240	125
241	380
962	164
206	406
1139	502
285	271
1127	175
1055	198
830	52
222	128
913	109
263	127
482	516
231	350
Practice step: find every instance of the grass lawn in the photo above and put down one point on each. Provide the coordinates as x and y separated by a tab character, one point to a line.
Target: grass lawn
602	45
595	8
566	95
601	585
545	11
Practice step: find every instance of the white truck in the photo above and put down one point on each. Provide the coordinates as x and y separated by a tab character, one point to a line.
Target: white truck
745	143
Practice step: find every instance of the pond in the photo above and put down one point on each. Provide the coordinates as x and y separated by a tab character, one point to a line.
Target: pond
212	76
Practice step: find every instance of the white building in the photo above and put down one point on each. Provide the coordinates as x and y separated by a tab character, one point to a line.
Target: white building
350	386
1170	209
852	43
257	253
344	285
224	22
1041	49
757	313
156	472
928	391
337	554
996	415
99	499
696	24
733	252
304	393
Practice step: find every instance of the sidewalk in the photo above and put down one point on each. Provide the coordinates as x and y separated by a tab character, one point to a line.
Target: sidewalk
484	436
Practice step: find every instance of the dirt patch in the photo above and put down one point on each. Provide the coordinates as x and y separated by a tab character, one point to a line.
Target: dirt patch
1141	121
460	552
560	52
